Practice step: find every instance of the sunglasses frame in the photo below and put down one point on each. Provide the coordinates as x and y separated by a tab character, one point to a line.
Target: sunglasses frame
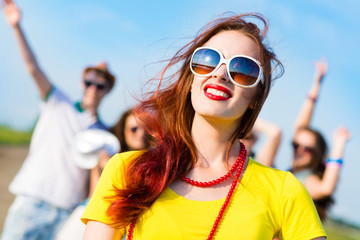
134	129
307	149
99	87
227	62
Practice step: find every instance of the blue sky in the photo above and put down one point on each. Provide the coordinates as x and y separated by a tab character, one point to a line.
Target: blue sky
133	35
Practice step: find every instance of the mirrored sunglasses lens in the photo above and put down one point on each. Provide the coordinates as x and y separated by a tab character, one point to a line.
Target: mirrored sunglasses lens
205	61
244	71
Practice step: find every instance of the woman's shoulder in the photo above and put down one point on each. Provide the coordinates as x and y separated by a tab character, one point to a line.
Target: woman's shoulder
118	163
271	177
262	169
124	158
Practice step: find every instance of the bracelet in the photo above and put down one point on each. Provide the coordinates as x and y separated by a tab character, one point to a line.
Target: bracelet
338	162
312	98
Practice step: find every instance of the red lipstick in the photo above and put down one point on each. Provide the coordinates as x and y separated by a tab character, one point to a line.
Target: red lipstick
218	88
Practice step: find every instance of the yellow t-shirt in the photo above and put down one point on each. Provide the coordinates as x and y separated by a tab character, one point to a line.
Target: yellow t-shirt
268	203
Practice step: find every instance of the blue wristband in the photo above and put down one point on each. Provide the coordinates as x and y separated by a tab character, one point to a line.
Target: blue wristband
338	161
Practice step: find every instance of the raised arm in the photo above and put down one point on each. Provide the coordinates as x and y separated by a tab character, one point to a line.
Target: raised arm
305	114
267	152
13	17
319	188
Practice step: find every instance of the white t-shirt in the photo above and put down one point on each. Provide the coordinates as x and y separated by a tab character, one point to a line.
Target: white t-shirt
48	172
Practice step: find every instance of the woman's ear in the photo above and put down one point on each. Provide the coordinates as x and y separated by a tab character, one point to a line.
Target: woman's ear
252	104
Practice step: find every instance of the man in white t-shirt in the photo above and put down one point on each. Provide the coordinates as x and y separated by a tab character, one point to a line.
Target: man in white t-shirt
49	185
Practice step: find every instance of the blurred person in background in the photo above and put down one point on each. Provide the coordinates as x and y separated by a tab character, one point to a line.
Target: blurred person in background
49	185
267	152
131	137
310	164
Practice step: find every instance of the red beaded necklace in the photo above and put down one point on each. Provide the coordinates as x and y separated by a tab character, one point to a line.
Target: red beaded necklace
239	165
216	181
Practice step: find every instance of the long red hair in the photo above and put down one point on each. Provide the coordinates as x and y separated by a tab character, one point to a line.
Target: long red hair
168	114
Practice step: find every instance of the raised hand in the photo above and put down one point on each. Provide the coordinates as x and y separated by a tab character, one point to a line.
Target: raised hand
340	137
12	12
321	69
306	112
342	134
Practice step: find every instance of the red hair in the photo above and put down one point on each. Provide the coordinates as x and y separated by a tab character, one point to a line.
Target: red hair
168	114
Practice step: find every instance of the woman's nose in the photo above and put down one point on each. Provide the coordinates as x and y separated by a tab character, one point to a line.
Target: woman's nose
221	73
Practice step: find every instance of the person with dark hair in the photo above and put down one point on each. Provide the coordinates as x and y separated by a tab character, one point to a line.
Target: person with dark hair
196	180
129	132
49	184
310	164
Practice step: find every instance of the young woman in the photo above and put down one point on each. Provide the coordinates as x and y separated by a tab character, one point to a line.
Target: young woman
318	174
131	135
196	181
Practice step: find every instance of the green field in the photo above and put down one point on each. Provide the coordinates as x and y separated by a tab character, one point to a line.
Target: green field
10	136
337	230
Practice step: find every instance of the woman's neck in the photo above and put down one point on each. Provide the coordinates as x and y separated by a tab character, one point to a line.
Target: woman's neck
211	138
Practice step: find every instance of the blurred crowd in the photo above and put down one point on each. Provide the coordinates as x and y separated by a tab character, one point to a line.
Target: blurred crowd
52	190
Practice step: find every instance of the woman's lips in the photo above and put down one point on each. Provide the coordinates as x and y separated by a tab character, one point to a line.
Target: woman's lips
217	92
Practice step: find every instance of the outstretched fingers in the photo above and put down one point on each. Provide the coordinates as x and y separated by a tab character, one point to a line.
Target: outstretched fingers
321	68
342	133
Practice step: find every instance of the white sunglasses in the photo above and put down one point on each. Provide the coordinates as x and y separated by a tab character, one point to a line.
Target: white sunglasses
243	71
